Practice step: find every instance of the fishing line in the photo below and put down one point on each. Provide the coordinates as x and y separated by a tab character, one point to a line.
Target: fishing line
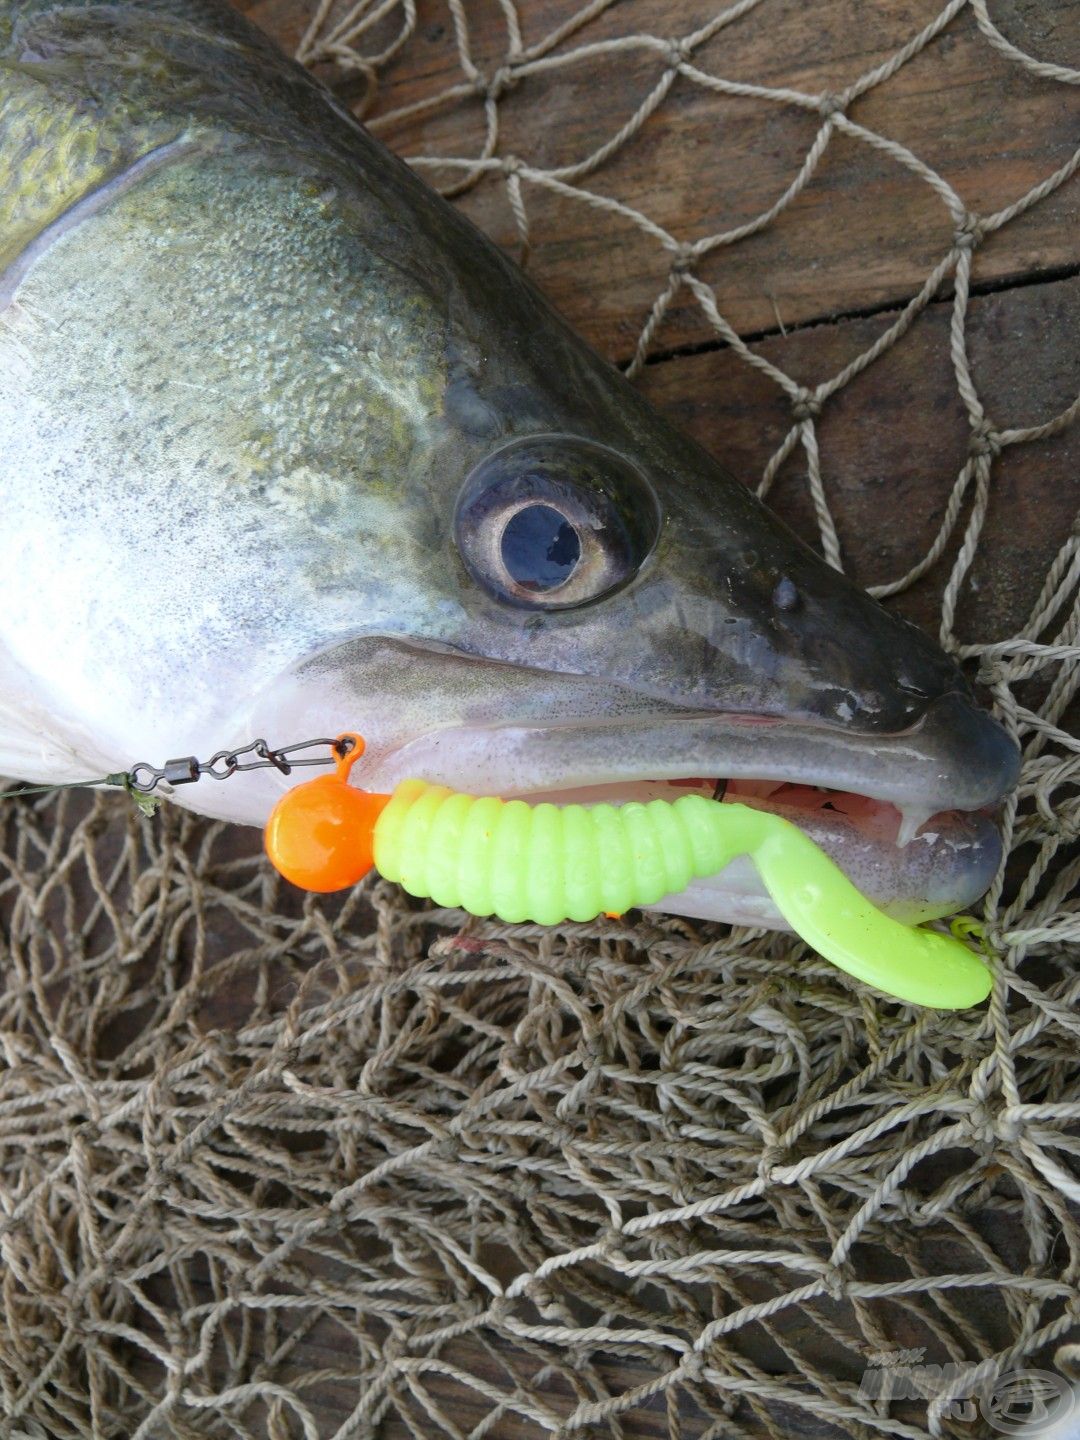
143	778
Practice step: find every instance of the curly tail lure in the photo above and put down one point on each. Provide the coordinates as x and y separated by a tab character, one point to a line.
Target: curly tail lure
549	863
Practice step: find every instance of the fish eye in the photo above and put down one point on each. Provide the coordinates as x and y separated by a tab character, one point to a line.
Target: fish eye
540	548
553	522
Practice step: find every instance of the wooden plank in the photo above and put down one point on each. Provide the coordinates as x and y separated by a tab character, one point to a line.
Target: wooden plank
864	233
894	440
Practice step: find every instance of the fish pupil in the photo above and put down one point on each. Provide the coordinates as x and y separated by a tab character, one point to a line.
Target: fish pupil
540	548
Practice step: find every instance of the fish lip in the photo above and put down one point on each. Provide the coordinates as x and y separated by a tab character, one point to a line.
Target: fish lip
539	734
956	756
956	759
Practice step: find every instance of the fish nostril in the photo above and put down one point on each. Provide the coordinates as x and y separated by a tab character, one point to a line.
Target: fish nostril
910	687
927	684
785	595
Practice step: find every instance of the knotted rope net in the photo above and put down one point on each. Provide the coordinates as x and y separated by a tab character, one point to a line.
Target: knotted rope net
273	1166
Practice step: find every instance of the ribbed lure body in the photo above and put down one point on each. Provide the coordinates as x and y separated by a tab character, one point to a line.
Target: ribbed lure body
550	863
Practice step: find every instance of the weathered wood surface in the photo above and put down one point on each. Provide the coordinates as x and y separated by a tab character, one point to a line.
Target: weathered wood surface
864	233
893	442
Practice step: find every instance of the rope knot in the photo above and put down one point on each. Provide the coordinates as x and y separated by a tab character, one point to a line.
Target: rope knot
542	1297
990	1125
830	104
984	439
682	259
679	53
612	1243
393	1348
1008	1128
969	233
692	1365
992	935
805	406
981	1124
834	1282
496	87
771	1157
594	1048
989	673
513	165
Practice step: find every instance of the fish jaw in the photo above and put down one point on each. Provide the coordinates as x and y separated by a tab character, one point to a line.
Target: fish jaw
903	816
906	816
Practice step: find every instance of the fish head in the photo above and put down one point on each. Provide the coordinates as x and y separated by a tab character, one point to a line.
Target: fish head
330	462
607	614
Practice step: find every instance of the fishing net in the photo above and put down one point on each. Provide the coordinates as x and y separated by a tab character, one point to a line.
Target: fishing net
281	1166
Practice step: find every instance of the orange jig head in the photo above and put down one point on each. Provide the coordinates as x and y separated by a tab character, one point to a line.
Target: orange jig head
320	834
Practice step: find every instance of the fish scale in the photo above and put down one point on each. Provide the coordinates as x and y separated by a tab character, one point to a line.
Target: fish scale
66	129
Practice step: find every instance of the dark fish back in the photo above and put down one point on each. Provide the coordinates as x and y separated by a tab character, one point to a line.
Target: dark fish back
215	16
88	90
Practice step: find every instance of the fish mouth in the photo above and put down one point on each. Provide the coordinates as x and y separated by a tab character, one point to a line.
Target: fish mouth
907	817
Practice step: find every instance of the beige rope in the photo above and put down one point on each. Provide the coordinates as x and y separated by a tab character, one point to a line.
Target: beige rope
281	1167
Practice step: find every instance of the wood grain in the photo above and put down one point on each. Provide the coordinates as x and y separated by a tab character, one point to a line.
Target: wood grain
864	233
893	441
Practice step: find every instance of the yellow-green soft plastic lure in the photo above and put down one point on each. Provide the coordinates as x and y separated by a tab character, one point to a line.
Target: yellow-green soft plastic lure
549	863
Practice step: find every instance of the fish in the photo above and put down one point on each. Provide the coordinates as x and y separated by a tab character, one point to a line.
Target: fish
289	448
